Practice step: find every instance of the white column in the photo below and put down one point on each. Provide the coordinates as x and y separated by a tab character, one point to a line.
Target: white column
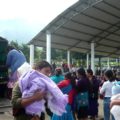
93	57
108	63
68	58
31	55
117	61
87	62
48	47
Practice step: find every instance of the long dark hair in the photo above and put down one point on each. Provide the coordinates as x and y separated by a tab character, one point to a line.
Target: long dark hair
42	64
69	76
58	72
109	74
81	72
90	71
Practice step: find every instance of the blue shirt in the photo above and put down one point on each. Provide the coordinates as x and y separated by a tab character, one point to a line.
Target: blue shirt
57	79
15	59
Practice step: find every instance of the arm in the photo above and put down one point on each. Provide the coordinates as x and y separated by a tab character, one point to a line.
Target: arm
114	102
103	89
62	84
18	102
36	97
8	61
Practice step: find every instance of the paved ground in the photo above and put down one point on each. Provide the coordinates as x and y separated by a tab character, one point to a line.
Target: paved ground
8	114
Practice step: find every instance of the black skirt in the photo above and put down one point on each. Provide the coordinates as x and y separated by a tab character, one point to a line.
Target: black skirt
82	112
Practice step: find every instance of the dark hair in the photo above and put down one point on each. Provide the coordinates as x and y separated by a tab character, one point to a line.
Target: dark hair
74	75
58	72
109	74
42	64
81	72
9	48
69	76
90	71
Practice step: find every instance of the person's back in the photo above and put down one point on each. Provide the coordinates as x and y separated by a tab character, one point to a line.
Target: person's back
67	87
82	94
15	59
58	76
57	79
106	90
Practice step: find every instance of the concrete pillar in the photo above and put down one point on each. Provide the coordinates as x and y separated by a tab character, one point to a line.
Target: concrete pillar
31	55
68	58
87	60
48	47
93	57
108	63
100	63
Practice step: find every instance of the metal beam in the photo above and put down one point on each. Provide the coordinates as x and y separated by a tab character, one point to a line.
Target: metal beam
104	11
89	3
114	52
97	19
107	36
111	5
66	45
85	33
68	37
74	45
86	41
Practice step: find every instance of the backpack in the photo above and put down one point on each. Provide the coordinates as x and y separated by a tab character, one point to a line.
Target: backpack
82	100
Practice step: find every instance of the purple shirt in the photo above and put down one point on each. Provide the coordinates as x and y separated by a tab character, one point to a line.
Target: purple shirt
33	81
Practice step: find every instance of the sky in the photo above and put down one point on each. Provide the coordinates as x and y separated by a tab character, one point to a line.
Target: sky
21	20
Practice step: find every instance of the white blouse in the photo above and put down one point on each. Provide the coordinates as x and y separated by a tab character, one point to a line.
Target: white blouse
107	89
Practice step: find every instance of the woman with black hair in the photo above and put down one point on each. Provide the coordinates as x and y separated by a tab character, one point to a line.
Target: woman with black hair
30	91
58	76
93	94
67	86
107	91
82	95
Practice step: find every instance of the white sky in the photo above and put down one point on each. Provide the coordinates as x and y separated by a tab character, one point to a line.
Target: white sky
23	19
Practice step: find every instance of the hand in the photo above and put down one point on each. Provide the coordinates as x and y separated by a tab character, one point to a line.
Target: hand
39	95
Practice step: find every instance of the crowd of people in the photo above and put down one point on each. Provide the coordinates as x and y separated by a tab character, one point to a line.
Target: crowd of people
70	95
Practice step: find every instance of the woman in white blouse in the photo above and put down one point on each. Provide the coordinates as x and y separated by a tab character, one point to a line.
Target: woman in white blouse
106	90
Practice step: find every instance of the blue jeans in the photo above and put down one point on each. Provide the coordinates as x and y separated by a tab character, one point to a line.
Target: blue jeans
107	109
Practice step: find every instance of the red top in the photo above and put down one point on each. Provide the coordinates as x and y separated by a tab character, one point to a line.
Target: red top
72	92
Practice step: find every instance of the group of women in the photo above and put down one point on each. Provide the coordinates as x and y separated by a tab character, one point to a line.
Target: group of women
67	97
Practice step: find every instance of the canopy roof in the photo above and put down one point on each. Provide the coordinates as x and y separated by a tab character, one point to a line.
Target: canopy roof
85	22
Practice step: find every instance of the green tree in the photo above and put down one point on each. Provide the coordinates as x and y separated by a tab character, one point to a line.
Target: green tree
15	44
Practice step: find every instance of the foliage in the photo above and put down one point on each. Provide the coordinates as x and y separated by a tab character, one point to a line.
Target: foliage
56	54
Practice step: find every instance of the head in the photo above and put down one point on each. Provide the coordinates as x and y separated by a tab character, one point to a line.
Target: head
89	73
109	75
81	73
58	71
43	67
68	76
74	75
9	48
